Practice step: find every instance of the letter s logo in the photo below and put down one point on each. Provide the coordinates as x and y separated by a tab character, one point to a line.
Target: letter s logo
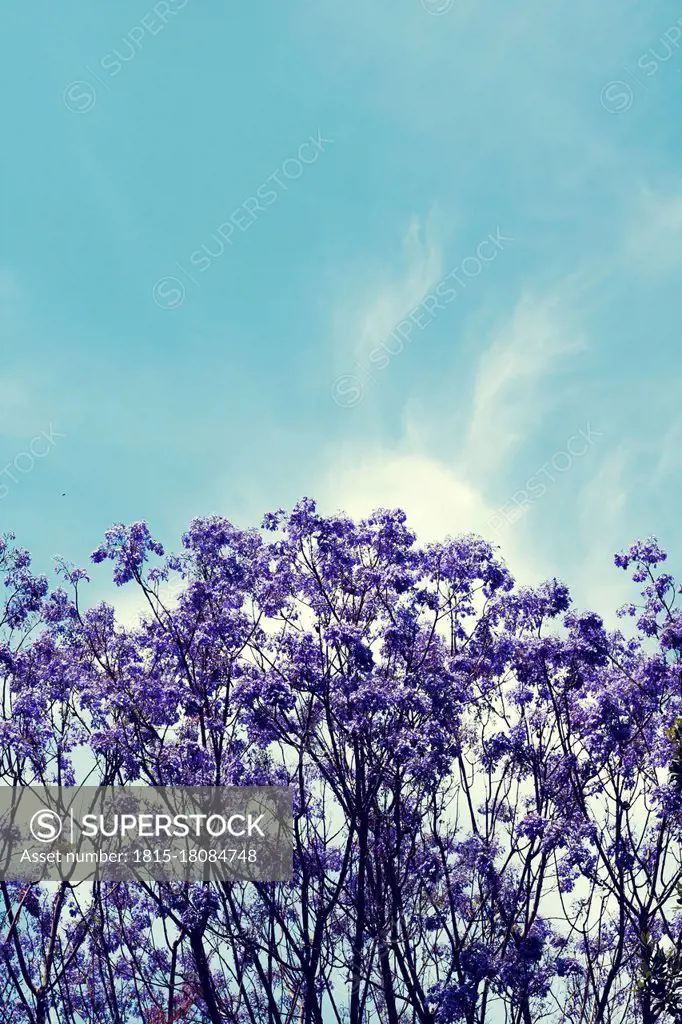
46	826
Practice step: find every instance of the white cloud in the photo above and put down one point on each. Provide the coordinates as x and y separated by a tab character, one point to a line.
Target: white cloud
384	298
508	399
439	500
512	389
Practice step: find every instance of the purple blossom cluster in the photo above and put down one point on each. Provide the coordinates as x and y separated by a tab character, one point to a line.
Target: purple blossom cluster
487	782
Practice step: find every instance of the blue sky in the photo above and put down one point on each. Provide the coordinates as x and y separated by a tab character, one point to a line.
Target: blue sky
133	132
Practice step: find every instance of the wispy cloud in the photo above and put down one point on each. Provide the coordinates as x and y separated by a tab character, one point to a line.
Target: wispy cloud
387	295
509	396
513	388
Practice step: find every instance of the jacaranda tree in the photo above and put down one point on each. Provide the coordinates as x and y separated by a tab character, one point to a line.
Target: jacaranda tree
487	783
